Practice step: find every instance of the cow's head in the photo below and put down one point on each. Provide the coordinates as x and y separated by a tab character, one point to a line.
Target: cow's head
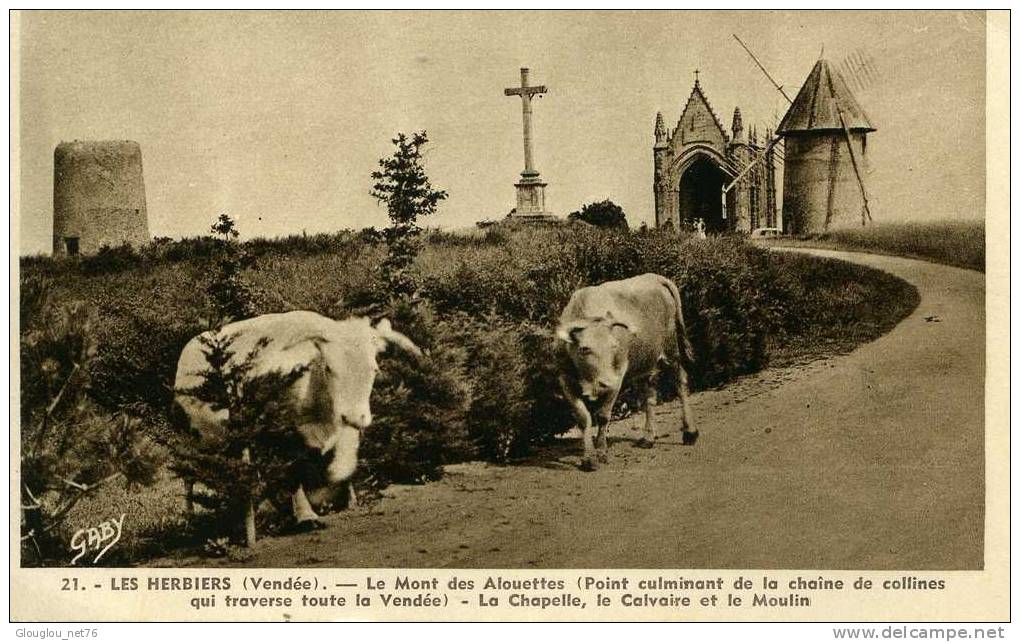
349	366
598	348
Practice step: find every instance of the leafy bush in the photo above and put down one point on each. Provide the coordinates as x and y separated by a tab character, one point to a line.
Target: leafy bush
137	358
486	388
111	259
519	401
605	214
723	282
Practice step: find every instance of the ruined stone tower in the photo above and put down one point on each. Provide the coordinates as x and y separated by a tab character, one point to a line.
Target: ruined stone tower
820	186
98	196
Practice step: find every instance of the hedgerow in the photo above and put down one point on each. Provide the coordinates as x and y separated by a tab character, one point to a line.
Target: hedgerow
484	311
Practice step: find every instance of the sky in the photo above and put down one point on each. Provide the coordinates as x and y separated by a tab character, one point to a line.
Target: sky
278	119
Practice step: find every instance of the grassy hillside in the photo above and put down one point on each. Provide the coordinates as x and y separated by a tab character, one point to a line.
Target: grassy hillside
487	305
959	243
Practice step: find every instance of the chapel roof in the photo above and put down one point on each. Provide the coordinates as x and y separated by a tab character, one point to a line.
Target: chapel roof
698	95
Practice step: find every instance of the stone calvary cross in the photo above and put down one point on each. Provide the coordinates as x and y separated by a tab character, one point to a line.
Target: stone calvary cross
526	92
530	190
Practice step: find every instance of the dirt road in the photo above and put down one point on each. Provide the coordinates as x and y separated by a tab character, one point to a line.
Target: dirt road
871	460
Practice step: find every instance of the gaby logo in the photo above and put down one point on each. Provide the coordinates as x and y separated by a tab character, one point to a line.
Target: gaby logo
100	538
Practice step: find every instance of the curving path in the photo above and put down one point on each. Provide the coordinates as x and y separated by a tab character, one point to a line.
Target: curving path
870	460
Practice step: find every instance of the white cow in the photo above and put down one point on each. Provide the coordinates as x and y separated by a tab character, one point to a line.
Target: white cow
331	398
621	329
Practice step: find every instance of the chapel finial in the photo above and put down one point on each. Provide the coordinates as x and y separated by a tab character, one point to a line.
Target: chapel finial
738	126
660	130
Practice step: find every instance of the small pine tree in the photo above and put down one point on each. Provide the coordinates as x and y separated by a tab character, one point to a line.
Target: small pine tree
252	458
70	447
232	296
408	194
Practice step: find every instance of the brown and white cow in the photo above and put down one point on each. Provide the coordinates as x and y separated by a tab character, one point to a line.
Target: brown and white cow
331	398
621	329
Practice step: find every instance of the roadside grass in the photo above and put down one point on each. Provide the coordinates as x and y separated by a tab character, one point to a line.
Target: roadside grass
854	304
956	243
488	302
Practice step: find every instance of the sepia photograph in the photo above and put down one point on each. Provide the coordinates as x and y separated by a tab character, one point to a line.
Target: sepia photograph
505	290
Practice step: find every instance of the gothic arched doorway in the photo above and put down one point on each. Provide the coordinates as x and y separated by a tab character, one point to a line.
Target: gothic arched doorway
701	195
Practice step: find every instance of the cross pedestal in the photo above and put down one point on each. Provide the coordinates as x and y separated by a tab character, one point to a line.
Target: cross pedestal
530	196
530	189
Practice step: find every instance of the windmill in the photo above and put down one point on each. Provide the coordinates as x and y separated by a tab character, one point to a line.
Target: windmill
823	120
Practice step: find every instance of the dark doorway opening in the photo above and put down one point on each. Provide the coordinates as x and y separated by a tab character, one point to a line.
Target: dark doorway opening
71	245
701	195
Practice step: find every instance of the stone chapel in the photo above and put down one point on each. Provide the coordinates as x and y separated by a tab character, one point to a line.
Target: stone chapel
695	160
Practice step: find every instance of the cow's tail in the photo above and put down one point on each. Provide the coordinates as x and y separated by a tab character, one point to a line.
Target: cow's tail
686	351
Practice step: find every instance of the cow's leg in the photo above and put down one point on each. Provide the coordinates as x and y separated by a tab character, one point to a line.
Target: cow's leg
690	433
602	417
305	517
345	462
345	455
648	438
601	442
583	419
306	474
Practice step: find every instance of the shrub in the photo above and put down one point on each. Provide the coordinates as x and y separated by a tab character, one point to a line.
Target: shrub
605	214
136	362
723	284
111	259
69	447
499	417
253	457
420	405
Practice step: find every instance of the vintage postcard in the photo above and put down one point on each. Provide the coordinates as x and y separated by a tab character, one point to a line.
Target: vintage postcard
510	316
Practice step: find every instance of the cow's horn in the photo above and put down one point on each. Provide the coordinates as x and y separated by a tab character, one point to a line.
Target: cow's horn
386	331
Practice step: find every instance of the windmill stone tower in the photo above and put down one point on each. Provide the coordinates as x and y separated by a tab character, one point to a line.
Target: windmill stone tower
98	196
826	136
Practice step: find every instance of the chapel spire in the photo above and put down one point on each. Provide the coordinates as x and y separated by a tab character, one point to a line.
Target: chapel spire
738	126
660	130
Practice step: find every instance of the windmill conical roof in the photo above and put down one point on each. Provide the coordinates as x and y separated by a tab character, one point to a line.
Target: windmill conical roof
815	107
